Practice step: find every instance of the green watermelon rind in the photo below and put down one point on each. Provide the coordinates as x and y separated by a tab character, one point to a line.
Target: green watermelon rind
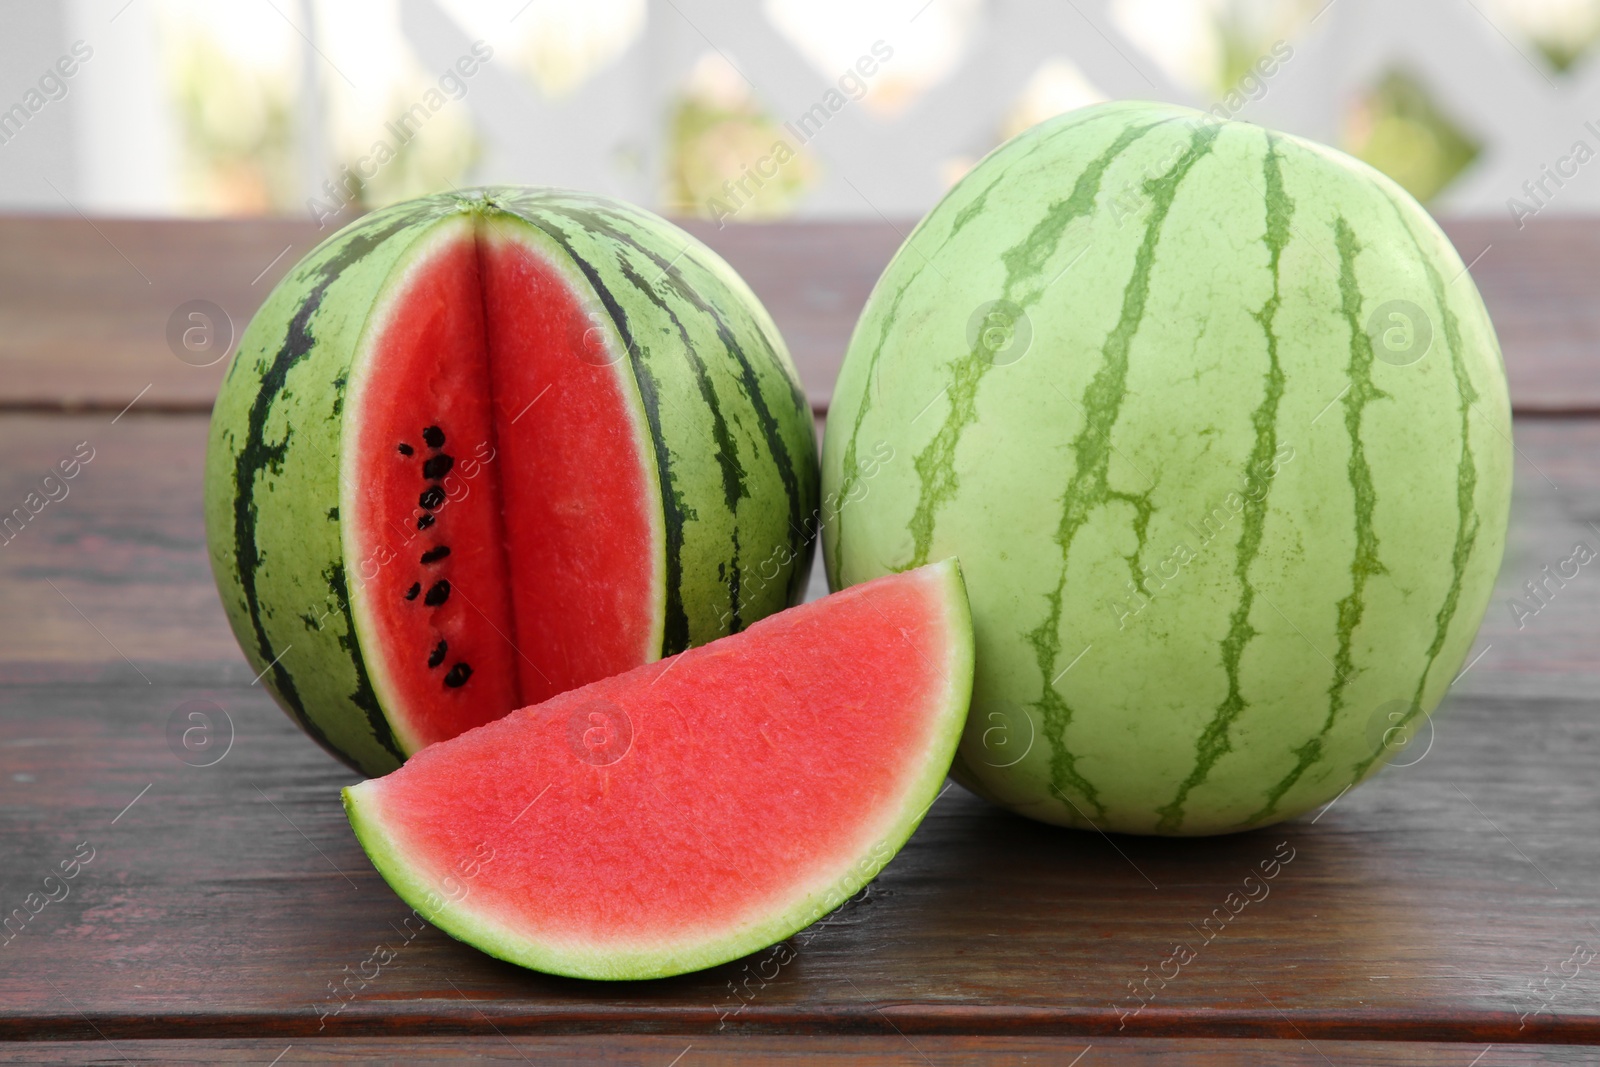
738	526
456	917
272	485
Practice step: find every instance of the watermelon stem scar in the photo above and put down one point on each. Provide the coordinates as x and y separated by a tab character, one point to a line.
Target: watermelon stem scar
516	438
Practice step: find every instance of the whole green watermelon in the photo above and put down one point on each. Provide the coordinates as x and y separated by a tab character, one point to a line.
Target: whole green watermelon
1217	424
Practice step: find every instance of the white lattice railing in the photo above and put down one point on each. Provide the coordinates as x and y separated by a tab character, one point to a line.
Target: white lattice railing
1500	90
608	134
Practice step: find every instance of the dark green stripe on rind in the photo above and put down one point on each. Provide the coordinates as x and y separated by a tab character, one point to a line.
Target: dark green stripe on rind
935	464
852	467
1214	740
768	421
256	455
1365	562
975	209
909	253
733	474
1467	522
935	467
363	696
1091	449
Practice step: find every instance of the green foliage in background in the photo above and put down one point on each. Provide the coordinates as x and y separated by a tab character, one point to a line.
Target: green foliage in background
1400	130
242	142
712	141
1397	126
238	128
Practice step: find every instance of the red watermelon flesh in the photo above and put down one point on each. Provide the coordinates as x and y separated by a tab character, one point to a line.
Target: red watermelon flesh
692	810
513	427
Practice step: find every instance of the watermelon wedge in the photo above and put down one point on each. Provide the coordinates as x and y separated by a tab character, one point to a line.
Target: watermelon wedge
692	810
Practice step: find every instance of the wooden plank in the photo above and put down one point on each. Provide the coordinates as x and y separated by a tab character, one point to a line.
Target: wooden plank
1440	902
926	1051
85	308
1539	284
232	901
118	563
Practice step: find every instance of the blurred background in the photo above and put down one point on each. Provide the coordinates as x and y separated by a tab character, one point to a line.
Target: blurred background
753	110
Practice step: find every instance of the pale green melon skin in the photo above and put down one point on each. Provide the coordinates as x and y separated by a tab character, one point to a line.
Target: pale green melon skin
1247	687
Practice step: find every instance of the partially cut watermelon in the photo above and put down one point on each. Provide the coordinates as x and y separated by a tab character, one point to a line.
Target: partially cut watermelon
695	809
484	447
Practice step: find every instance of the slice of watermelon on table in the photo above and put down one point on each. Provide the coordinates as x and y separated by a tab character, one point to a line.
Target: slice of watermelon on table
693	810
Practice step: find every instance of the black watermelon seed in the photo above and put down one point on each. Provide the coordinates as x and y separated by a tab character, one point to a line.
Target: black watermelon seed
434	436
431	497
416	587
433	555
438	654
458	676
438	593
438	466
405	449
425	522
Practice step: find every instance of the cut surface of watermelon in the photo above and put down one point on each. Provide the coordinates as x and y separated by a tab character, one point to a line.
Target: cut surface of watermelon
515	427
695	809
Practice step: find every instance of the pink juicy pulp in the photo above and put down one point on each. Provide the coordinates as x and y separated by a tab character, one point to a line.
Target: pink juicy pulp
758	765
545	510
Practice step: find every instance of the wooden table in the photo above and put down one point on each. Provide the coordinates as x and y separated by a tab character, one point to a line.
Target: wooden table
1438	911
